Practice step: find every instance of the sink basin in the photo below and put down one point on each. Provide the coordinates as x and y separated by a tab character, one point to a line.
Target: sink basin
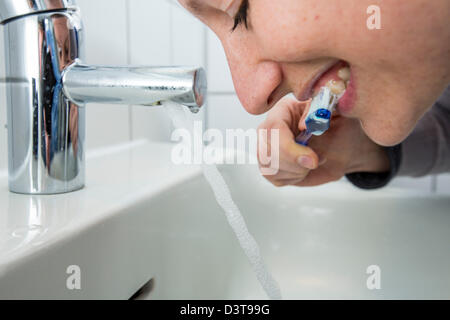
318	242
155	220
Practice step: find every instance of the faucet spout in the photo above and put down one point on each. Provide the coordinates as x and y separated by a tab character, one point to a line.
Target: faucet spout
146	86
48	86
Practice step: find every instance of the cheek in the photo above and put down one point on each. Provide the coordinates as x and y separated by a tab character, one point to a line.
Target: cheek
388	128
288	30
387	106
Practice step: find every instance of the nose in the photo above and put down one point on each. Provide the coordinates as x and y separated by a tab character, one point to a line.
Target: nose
257	81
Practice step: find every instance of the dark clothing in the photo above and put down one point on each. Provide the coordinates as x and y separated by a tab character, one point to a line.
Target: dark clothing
426	151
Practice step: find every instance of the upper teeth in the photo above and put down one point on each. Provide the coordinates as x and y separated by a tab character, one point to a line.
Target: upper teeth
338	86
344	74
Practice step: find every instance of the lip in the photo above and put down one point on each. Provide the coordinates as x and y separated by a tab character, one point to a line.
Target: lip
307	93
347	101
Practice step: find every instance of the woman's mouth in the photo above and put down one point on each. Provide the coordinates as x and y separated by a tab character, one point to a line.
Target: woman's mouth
339	79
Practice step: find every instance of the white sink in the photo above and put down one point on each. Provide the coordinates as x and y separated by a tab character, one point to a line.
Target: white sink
318	242
157	220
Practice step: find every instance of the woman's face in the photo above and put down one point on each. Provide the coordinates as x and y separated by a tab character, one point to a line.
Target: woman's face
397	72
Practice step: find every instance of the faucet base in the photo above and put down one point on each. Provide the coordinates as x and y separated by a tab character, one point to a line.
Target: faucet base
46	131
59	191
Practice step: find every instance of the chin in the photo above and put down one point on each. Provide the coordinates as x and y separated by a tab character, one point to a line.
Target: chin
385	134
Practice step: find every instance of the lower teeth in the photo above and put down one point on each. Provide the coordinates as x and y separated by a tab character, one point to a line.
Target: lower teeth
337	87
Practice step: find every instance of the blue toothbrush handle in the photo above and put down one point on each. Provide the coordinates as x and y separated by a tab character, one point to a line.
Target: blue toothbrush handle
303	138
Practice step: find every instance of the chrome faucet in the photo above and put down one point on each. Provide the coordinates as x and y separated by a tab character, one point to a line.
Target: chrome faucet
48	86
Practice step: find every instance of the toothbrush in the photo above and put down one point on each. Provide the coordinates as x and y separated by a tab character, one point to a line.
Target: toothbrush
319	115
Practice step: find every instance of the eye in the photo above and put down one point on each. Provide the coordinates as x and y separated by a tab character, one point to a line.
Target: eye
241	16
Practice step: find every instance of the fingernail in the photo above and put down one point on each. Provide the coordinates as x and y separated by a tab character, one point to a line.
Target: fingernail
306	162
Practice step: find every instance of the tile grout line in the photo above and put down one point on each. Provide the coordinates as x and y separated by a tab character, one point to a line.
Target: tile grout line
171	44
171	34
206	64
128	57
3	111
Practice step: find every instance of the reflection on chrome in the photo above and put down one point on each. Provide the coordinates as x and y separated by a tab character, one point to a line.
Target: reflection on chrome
47	86
28	221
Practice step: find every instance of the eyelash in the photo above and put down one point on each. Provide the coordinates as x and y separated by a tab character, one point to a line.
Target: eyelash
241	16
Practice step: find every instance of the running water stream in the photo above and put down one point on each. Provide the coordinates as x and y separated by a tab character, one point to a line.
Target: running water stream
183	118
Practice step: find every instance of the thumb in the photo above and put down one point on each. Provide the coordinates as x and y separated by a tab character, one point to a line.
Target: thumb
295	153
306	106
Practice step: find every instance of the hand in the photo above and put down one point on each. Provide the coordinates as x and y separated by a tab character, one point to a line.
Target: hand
343	149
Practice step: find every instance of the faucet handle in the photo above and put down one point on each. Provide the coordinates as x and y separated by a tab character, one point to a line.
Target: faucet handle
11	9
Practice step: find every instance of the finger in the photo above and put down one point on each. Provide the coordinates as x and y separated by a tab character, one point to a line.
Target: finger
287	182
286	175
302	123
277	137
290	111
289	156
295	157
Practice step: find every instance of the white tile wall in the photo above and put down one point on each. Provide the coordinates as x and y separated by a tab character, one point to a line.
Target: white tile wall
106	43
188	43
219	75
188	38
150	29
160	32
226	112
105	27
150	44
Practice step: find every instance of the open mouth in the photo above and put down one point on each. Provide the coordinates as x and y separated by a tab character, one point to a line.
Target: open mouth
339	79
336	79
